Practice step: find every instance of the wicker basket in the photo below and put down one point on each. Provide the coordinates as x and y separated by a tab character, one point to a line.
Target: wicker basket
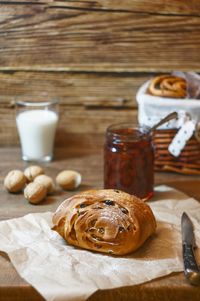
188	161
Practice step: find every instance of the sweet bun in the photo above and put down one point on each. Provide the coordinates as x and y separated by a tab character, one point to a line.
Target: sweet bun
168	86
107	220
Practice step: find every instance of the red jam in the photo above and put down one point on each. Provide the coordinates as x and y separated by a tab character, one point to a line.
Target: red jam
129	160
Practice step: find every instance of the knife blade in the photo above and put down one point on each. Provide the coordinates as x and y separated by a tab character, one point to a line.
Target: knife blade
191	269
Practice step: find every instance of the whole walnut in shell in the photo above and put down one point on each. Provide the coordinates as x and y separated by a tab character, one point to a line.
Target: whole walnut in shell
15	181
35	192
32	172
68	179
47	182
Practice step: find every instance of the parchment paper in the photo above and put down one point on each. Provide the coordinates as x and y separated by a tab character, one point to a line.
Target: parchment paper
61	272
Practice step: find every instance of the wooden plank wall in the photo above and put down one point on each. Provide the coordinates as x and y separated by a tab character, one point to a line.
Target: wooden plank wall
92	55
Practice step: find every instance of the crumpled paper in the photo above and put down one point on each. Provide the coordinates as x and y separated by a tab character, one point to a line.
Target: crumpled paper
193	83
61	272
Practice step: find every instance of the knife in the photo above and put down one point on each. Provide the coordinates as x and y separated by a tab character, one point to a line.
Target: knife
191	269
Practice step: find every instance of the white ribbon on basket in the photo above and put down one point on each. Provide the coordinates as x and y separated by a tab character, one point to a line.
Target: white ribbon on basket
187	129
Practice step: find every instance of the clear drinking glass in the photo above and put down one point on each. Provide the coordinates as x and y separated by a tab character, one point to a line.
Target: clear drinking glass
36	124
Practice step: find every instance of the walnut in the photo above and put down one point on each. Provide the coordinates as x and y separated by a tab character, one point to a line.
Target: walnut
15	181
47	182
68	179
35	192
32	172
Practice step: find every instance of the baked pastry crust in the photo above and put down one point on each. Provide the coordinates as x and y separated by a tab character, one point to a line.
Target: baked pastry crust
107	220
168	86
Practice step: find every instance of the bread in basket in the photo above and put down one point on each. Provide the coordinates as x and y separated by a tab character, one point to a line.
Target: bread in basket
157	98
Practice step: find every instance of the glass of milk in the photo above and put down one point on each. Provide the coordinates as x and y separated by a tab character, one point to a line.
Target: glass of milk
36	124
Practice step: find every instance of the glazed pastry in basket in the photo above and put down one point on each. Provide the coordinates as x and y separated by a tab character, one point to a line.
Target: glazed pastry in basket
168	86
107	220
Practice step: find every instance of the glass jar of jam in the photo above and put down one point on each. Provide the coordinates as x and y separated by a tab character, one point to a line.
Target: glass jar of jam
129	159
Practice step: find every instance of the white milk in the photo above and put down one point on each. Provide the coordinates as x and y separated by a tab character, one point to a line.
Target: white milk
37	131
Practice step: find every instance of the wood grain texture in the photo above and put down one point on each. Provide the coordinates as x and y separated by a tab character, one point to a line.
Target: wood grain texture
116	90
156	6
93	55
89	103
53	36
88	160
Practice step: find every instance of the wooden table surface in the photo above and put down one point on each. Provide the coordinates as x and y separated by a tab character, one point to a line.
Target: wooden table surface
88	161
